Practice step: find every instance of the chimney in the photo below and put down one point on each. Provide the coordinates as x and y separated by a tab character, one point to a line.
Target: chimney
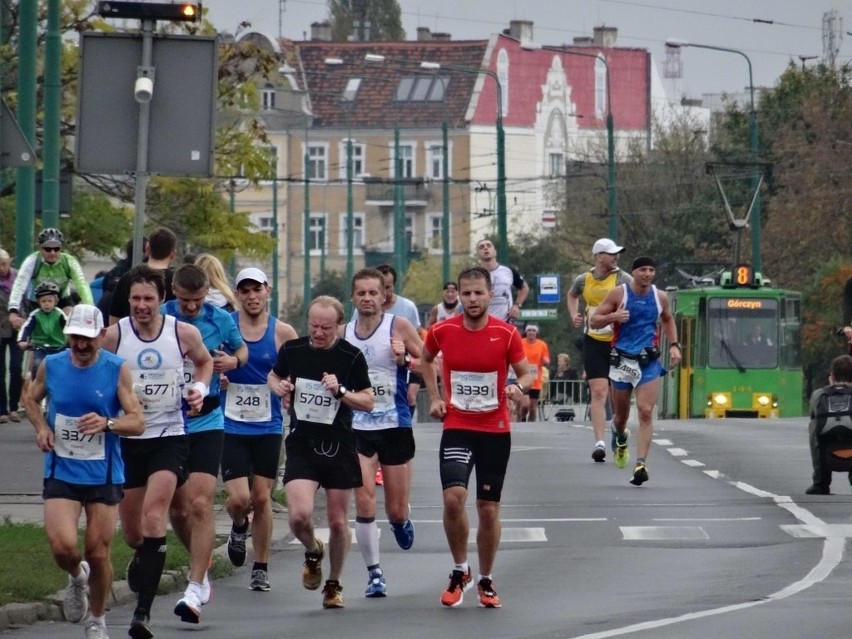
605	36
321	31
442	36
521	30
424	34
583	41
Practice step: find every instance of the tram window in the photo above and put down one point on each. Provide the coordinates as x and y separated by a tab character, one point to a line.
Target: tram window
743	333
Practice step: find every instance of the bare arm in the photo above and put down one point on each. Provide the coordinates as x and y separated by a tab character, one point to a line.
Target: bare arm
669	328
524	376
609	311
429	372
32	405
193	347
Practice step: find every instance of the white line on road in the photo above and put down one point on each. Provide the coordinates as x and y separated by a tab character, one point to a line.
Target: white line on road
692	462
677	452
707	519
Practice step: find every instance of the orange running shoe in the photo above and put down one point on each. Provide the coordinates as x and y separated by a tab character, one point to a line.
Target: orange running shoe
454	594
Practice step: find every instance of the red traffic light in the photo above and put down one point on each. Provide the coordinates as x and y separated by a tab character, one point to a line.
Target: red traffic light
172	11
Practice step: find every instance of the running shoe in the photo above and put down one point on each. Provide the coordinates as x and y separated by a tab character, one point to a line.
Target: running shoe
75	605
599	453
380	478
237	546
818	489
139	627
189	607
259	580
206	589
132	573
312	571
376	586
332	595
454	594
404	534
488	597
95	630
640	475
622	455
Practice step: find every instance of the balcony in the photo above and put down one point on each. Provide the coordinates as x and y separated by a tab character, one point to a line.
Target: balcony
416	191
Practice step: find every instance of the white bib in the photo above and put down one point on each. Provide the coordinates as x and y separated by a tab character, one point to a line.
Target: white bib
474	392
313	402
71	443
627	371
248	403
384	390
157	389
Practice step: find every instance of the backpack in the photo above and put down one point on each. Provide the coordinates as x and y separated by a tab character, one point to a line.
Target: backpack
833	412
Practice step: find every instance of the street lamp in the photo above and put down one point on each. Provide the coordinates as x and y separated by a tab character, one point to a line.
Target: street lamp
753	144
612	195
502	230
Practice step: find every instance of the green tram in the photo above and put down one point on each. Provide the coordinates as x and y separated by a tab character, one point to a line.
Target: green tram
741	350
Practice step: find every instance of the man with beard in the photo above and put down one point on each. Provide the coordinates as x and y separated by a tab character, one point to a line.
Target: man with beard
478	350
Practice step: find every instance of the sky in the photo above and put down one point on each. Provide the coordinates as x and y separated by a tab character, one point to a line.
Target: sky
770	32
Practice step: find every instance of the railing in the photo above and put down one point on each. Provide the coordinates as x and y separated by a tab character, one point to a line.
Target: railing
563	391
414	189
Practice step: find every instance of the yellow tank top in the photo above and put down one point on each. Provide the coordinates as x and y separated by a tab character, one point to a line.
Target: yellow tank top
594	292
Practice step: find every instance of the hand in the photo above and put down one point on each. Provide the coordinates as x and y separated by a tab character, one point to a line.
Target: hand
621	316
515	311
16	320
45	439
577	320
675	356
438	408
91	423
223	362
331	384
398	348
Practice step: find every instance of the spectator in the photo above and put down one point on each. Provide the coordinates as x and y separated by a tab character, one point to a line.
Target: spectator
503	278
48	264
220	293
113	276
563	386
8	400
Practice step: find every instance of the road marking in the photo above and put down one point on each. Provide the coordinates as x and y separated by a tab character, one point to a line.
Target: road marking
707	519
677	452
509	535
692	462
663	442
663	533
715	474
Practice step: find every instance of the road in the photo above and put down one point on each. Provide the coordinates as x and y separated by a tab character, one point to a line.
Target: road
721	542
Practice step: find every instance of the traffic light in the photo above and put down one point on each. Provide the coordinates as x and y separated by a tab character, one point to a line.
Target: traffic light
172	11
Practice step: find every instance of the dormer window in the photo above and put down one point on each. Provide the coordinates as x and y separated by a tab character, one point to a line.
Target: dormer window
267	97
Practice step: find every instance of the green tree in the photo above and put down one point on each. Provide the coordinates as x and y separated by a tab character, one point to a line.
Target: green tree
367	20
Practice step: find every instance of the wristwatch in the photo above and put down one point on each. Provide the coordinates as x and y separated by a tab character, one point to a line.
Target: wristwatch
407	360
341	391
110	424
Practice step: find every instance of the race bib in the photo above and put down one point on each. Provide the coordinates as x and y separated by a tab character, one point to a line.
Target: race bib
72	444
248	403
157	390
627	371
384	390
474	392
534	371
313	402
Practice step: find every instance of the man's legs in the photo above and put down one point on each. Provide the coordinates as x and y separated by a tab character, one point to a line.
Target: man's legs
487	534
300	504
821	477
100	527
191	514
646	398
456	525
60	523
339	539
599	388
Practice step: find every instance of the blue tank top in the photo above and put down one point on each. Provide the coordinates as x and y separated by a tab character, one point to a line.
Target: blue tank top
250	407
218	332
73	392
641	330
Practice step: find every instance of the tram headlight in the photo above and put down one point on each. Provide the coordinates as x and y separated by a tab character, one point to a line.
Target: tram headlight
763	399
719	400
764	403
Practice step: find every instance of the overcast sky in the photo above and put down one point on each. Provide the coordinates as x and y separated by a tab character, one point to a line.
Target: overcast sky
796	28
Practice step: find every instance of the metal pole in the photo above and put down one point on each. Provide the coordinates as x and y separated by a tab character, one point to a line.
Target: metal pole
52	98
276	308
25	175
398	213
350	219
145	70
445	218
306	222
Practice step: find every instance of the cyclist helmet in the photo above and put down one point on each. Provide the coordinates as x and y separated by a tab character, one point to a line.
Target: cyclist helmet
50	235
47	288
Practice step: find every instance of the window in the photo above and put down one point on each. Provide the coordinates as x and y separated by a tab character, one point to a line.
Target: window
317	234
272	171
267	97
351	89
503	77
358	154
409	232
435	160
317	161
422	88
435	232
744	335
557	164
600	88
357	234
406	155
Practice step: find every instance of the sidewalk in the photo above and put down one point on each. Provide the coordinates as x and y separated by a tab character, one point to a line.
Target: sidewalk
21	503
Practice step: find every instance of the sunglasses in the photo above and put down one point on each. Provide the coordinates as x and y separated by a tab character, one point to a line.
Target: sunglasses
51	249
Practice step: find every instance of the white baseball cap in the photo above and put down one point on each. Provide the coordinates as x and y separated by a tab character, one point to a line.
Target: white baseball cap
531	327
251	273
85	320
606	245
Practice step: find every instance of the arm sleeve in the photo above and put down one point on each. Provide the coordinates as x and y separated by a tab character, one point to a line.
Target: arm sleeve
27	328
517	279
22	283
78	278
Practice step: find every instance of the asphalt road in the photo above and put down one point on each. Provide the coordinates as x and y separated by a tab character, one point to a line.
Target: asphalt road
721	542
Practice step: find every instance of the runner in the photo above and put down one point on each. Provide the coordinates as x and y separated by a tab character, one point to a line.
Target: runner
384	437
322	379
253	427
477	351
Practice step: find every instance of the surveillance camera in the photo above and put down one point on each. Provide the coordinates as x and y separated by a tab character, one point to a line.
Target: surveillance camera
143	90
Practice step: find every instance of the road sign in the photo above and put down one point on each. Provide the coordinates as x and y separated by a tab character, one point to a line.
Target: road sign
15	150
539	314
549	289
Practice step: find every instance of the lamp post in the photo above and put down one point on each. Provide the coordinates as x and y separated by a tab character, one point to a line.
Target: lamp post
502	230
753	145
612	194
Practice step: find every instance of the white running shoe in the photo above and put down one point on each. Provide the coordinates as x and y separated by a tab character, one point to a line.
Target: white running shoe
95	630
206	590
189	607
75	606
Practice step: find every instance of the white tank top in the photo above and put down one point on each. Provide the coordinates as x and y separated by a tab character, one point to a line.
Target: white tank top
157	370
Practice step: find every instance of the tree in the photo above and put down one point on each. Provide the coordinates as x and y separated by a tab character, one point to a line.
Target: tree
366	20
